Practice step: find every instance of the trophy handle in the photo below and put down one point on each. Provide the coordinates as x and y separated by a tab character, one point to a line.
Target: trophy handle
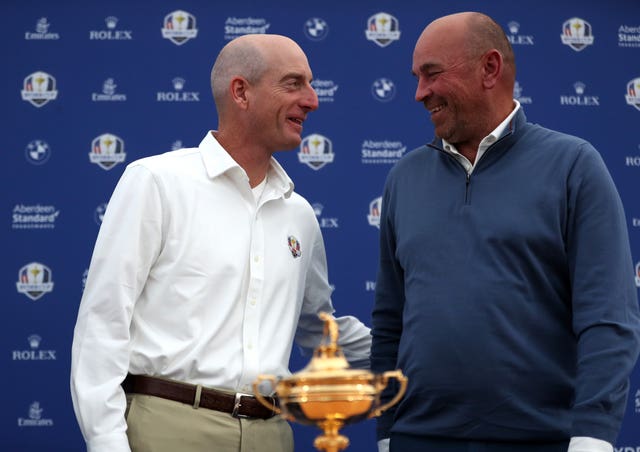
397	374
259	395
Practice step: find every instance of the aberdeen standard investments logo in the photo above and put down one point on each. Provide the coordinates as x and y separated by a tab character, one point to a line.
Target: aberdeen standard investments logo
325	89
36	216
316	151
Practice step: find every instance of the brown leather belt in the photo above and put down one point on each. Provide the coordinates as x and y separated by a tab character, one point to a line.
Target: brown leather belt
238	405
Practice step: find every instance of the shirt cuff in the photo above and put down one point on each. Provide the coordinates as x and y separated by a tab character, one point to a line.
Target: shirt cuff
383	445
109	443
588	444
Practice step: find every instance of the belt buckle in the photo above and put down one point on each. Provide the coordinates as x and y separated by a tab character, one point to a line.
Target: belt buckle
237	403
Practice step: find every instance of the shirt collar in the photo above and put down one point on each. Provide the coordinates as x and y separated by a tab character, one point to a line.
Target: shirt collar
217	161
489	139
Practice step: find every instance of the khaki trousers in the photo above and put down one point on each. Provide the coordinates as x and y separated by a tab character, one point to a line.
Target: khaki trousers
160	425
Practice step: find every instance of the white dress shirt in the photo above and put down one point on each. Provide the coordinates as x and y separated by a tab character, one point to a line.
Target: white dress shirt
193	278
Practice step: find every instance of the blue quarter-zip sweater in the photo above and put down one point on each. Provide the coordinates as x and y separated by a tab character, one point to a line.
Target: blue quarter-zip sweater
506	296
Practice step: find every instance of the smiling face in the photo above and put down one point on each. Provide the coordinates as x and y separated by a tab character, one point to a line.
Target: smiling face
283	96
450	82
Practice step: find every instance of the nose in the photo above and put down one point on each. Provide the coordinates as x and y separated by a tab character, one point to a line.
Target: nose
310	99
423	90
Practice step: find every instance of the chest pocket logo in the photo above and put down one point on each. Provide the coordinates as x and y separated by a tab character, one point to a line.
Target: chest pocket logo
294	246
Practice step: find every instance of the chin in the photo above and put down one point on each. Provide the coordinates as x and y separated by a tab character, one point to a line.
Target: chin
290	145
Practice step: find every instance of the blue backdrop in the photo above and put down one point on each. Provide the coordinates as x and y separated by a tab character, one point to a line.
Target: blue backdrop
87	87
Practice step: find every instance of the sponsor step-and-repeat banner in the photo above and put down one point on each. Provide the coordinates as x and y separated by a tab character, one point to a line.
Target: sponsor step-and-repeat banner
87	87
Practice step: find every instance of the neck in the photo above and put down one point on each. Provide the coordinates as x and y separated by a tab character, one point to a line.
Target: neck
251	158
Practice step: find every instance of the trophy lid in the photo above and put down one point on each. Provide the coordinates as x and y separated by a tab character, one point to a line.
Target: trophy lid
328	359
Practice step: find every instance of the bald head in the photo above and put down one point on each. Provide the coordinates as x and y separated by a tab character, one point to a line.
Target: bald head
475	33
247	56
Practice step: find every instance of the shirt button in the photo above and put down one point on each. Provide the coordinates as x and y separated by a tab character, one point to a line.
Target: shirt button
256	258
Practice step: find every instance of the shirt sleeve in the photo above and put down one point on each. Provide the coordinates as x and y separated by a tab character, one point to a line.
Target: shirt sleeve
127	245
604	301
353	336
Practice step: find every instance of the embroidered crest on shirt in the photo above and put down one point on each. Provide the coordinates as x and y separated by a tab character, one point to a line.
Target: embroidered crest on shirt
294	246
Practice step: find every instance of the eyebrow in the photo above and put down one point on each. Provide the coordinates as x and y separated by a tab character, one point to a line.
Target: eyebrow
425	67
293	75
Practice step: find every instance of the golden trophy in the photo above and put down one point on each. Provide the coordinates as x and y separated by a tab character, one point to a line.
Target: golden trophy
327	394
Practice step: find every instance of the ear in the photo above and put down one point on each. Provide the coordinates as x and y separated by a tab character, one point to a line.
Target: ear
238	89
492	67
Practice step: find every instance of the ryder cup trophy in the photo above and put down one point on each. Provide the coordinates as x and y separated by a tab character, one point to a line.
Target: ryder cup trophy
329	395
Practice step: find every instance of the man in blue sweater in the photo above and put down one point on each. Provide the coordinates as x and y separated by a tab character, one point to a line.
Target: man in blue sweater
505	289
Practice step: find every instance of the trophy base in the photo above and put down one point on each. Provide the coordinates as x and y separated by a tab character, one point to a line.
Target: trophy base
331	443
331	440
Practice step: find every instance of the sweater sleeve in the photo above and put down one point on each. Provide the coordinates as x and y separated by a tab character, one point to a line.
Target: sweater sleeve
606	322
388	307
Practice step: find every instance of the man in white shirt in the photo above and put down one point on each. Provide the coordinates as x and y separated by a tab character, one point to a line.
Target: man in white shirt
207	267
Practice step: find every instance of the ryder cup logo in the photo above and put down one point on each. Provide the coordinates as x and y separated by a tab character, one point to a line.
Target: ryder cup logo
633	93
638	274
294	246
316	29
316	151
39	88
577	34
383	89
34	280
375	207
383	29
107	150
179	27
